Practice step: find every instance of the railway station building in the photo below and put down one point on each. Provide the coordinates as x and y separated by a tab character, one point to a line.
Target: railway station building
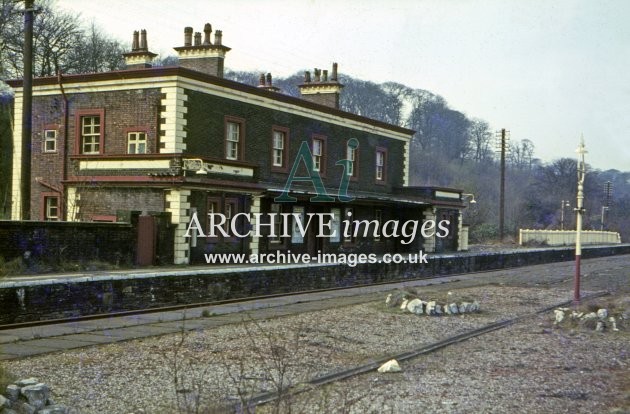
185	141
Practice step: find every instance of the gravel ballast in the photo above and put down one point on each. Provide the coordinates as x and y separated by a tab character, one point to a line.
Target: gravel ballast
222	363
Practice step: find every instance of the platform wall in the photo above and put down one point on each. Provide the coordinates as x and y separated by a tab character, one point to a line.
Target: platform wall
49	299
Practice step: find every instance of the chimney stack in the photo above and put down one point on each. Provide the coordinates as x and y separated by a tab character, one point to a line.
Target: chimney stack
322	90
139	57
203	57
266	83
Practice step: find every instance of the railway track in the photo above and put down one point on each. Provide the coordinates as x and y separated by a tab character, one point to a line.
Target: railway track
318	381
65	300
196	305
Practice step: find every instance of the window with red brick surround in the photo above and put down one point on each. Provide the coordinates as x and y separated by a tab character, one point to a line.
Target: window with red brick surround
318	149
380	166
50	207
234	138
89	125
279	149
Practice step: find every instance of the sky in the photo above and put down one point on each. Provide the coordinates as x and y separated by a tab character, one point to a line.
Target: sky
545	70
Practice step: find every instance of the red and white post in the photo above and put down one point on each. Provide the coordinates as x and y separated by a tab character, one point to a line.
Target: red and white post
581	170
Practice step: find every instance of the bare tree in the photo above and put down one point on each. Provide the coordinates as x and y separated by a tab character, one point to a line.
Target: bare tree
480	140
60	43
94	51
521	154
10	38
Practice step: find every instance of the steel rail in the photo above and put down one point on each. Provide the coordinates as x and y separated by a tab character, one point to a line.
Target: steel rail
311	384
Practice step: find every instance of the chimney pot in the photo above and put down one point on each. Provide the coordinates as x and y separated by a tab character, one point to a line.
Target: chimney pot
197	39
269	83
313	92
207	29
188	31
261	80
143	40
218	35
318	75
134	42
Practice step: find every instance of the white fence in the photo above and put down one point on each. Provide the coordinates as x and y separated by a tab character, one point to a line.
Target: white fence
567	237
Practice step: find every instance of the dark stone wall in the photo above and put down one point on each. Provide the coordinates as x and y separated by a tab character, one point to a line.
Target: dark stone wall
68	299
57	242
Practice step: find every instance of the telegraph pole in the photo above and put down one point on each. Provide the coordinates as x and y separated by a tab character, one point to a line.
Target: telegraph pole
606	206
502	149
581	170
27	108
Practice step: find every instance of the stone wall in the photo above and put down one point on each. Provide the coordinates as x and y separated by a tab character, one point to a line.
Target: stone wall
567	237
38	300
55	242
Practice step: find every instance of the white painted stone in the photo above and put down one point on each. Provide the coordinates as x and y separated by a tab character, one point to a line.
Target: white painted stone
388	300
475	307
403	305
390	366
438	309
602	313
589	316
600	326
415	306
430	309
453	309
464	307
613	322
559	314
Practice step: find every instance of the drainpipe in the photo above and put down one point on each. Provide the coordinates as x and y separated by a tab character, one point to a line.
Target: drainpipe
64	170
27	109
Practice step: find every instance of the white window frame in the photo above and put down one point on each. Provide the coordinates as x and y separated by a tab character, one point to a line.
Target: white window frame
50	136
135	139
278	148
351	154
318	149
49	216
92	138
232	140
380	165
